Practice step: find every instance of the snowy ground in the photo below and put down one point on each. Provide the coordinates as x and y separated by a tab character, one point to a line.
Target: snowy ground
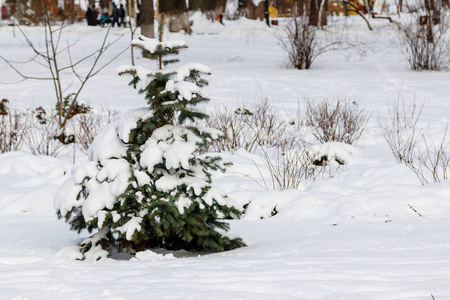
371	232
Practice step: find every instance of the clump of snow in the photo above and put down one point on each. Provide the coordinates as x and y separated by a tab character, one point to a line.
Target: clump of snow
110	171
128	122
185	89
335	152
151	45
134	224
266	205
145	75
178	82
168	143
149	255
103	194
70	253
122	128
185	70
257	2
95	251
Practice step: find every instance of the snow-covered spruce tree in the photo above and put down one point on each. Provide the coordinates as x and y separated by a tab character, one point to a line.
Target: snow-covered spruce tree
146	185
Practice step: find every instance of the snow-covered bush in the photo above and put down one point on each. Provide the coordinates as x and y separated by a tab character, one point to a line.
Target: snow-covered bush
296	166
145	186
289	168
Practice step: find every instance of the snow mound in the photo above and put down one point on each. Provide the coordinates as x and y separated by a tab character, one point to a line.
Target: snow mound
335	152
27	164
202	25
70	253
30	182
247	27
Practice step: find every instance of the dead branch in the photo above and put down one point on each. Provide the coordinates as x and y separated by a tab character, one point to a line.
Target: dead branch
356	10
49	58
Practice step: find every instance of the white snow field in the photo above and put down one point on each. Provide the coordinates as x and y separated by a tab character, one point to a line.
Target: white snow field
370	232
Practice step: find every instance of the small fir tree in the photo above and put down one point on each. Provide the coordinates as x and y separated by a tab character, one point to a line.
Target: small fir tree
146	185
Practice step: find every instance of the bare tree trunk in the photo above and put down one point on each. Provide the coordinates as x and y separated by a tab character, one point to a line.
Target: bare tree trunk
220	6
299	7
104	4
266	12
313	13
207	7
176	15
195	4
346	12
69	10
147	19
203	5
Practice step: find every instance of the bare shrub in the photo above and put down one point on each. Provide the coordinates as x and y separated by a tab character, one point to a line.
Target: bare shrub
295	165
433	161
43	132
39	129
401	132
13	128
291	167
430	162
25	12
303	43
423	36
343	122
249	128
68	70
289	160
86	126
300	43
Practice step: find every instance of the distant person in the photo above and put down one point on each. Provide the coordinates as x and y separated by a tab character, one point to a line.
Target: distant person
90	17
115	15
95	14
121	15
5	13
104	18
